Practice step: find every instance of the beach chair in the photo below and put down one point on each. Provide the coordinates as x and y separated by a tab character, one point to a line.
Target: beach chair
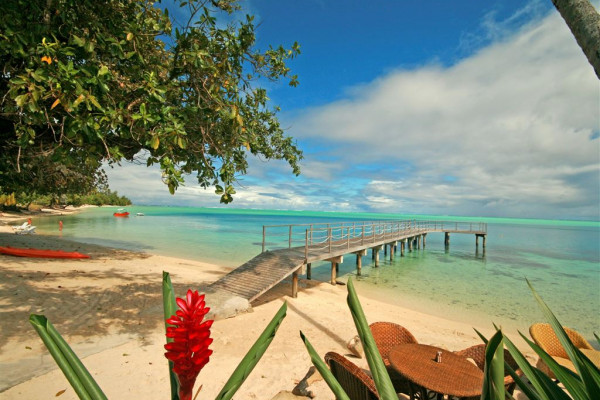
543	335
477	354
387	335
357	384
20	227
26	231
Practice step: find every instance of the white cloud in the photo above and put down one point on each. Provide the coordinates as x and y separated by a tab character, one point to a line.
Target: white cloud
511	124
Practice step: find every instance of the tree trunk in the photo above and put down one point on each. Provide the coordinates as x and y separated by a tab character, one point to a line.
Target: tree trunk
584	22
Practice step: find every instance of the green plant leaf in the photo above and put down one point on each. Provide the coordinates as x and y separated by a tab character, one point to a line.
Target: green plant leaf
589	373
526	388
493	376
333	384
571	381
253	356
544	388
384	385
78	376
170	308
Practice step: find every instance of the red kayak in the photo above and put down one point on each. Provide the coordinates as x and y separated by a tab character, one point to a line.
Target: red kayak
40	253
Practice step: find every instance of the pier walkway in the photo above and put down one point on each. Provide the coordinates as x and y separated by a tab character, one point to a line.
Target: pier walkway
291	249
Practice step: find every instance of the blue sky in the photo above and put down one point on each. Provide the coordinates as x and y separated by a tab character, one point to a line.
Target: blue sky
437	107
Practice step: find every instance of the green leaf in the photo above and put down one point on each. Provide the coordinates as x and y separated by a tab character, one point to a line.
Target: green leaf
333	384
155	142
253	356
384	385
544	387
78	376
93	100
169	309
78	41
493	378
103	70
21	100
78	100
589	373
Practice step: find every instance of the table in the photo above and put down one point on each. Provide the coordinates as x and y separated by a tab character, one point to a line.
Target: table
455	376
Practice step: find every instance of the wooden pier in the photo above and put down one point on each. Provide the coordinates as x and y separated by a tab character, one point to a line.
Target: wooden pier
291	249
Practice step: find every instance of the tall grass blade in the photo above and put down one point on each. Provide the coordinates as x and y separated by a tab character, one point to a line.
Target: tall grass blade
78	376
253	356
169	309
384	385
333	384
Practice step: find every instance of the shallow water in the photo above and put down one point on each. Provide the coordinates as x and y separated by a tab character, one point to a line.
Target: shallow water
561	259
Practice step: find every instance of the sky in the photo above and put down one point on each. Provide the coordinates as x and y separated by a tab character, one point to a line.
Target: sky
456	108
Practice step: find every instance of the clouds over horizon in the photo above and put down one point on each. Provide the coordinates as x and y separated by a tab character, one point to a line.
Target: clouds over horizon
511	130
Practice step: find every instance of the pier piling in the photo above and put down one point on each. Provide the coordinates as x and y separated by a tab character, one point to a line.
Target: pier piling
359	255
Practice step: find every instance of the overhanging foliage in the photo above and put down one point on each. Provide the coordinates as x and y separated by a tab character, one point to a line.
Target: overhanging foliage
84	82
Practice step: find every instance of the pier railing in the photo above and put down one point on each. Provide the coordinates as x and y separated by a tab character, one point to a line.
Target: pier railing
321	236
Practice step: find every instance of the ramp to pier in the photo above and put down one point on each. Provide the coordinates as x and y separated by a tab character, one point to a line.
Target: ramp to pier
260	274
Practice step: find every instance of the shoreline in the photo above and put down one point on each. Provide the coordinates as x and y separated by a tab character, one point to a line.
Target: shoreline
109	308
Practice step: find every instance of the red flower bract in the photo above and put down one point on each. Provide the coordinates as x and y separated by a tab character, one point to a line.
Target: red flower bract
189	350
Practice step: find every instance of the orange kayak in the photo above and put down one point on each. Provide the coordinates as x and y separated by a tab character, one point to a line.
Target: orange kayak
40	253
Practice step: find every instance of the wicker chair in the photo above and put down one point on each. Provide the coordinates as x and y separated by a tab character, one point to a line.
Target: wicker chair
477	354
387	335
357	384
543	335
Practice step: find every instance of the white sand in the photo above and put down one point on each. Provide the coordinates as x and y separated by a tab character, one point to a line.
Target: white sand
109	309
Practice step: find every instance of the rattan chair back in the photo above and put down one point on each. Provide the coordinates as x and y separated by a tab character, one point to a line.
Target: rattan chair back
477	354
543	335
387	335
355	382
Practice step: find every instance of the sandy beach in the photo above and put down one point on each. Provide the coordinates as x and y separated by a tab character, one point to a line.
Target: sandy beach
109	308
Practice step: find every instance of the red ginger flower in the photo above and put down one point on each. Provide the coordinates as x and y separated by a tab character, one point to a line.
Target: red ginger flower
189	350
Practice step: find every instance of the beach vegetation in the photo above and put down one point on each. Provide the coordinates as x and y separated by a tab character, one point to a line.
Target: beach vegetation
188	339
34	201
8	200
88	84
97	198
582	385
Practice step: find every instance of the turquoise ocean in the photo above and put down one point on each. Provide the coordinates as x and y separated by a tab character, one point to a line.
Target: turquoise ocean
560	258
